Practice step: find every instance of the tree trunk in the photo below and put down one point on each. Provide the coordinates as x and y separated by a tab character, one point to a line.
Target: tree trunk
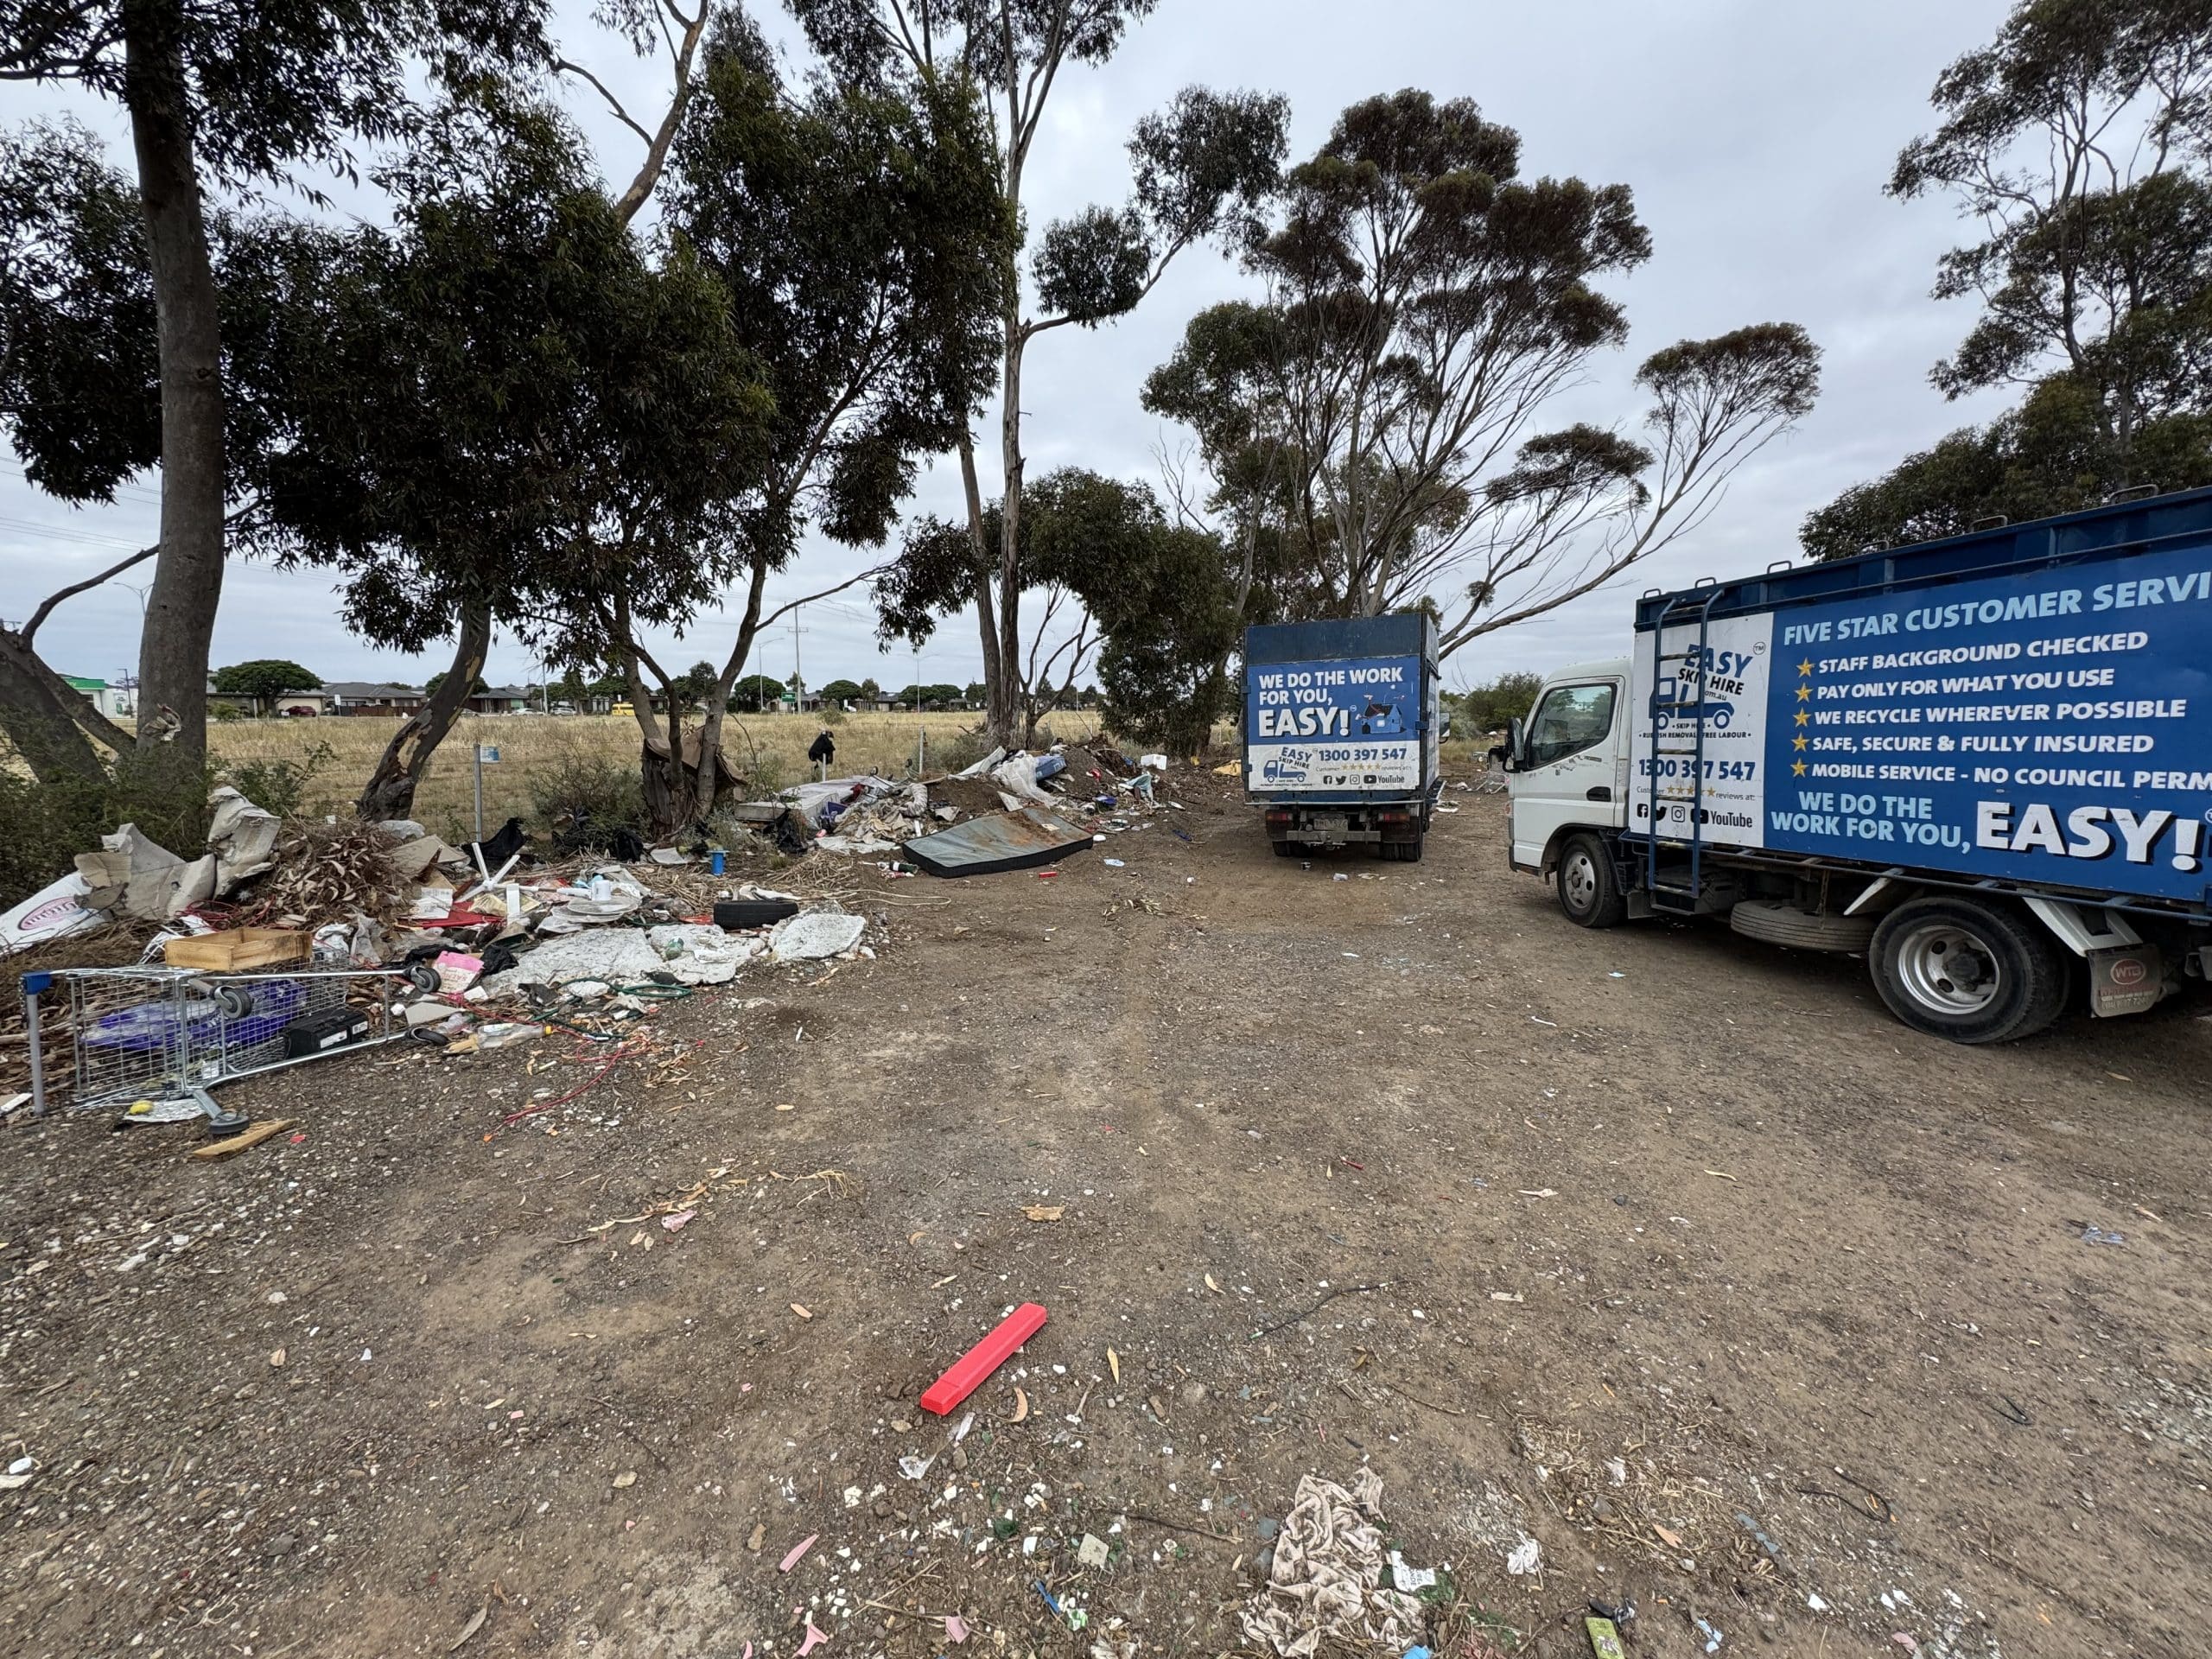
1006	701
390	792
39	721
986	612
180	625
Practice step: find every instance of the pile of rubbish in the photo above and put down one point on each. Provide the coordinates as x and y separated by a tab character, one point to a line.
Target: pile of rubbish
1010	809
465	947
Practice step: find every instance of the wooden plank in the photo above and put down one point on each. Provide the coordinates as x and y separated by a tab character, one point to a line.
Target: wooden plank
245	1138
239	947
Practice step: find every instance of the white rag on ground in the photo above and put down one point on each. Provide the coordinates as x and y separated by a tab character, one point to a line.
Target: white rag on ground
620	956
813	934
1328	1568
699	953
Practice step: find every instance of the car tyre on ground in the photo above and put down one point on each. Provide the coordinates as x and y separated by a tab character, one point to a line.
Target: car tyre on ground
1589	887
1973	972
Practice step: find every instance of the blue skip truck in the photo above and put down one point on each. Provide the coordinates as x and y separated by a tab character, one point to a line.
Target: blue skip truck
1984	763
1341	721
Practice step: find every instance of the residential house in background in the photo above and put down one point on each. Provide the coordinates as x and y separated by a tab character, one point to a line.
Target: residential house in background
369	697
500	699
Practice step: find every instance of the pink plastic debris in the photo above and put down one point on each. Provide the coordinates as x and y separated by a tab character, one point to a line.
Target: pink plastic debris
797	1550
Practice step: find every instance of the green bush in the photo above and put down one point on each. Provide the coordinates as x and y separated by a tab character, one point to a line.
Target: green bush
578	788
280	785
48	824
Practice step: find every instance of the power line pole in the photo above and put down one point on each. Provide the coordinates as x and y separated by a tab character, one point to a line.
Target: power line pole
798	681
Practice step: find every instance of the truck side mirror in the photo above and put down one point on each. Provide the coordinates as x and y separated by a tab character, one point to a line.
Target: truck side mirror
1515	750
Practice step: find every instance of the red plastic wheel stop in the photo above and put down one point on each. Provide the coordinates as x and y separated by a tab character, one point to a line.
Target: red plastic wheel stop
969	1371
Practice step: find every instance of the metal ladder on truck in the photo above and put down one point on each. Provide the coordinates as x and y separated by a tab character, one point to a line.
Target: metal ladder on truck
1674	896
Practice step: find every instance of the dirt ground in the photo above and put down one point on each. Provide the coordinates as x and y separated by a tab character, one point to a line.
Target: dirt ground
1667	1251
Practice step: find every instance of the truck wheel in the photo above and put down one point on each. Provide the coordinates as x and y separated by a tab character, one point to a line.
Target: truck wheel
1285	848
1402	852
1589	890
1968	971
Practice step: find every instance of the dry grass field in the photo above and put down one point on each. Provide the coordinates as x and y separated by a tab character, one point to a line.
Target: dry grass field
770	749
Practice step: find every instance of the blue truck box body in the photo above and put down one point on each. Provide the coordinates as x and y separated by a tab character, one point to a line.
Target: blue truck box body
1342	713
2028	705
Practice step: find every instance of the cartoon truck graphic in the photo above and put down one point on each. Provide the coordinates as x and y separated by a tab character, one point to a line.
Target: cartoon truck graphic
1668	703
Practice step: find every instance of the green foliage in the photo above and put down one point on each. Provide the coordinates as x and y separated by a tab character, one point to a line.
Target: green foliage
502	402
757	692
265	679
48	824
842	691
2055	454
1487	708
477	687
2076	140
691	686
579	791
1368	429
78	384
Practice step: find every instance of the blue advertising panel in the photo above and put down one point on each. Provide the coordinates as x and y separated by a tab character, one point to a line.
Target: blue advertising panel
1343	723
2052	726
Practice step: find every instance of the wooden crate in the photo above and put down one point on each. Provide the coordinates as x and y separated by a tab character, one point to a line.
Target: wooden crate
241	947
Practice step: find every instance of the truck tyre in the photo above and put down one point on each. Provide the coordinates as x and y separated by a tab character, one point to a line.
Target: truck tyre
1969	971
1285	848
1401	852
1777	923
1589	888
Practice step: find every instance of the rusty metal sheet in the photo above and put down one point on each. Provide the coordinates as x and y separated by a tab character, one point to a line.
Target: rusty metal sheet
1003	841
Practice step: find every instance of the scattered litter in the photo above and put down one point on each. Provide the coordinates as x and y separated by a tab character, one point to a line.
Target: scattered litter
797	1550
1553	1024
1814	1601
815	1637
913	1467
969	1370
1115	864
1043	1211
1505	1296
1604	1638
676	1223
2093	1235
956	1629
1539	1193
1091	1552
1711	1636
1525	1558
1722	1173
1324	1584
814	935
803	1312
1410	1579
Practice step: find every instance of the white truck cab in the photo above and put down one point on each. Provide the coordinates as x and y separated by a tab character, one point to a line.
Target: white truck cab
1571	768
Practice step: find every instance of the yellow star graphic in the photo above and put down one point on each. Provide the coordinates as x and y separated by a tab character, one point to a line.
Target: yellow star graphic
1797	768
1797	742
1802	716
1804	694
1805	667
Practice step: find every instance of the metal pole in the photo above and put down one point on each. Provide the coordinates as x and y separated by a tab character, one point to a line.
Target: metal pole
33	984
477	750
921	764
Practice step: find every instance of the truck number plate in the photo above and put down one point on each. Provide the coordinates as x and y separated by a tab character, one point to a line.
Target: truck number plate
1334	822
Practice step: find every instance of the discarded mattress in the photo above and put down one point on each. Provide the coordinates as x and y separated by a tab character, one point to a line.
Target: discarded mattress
1003	841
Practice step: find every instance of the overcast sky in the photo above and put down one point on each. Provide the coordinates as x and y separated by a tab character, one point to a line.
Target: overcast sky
1756	137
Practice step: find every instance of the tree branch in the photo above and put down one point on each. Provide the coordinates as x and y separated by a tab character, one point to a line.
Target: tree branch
30	628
